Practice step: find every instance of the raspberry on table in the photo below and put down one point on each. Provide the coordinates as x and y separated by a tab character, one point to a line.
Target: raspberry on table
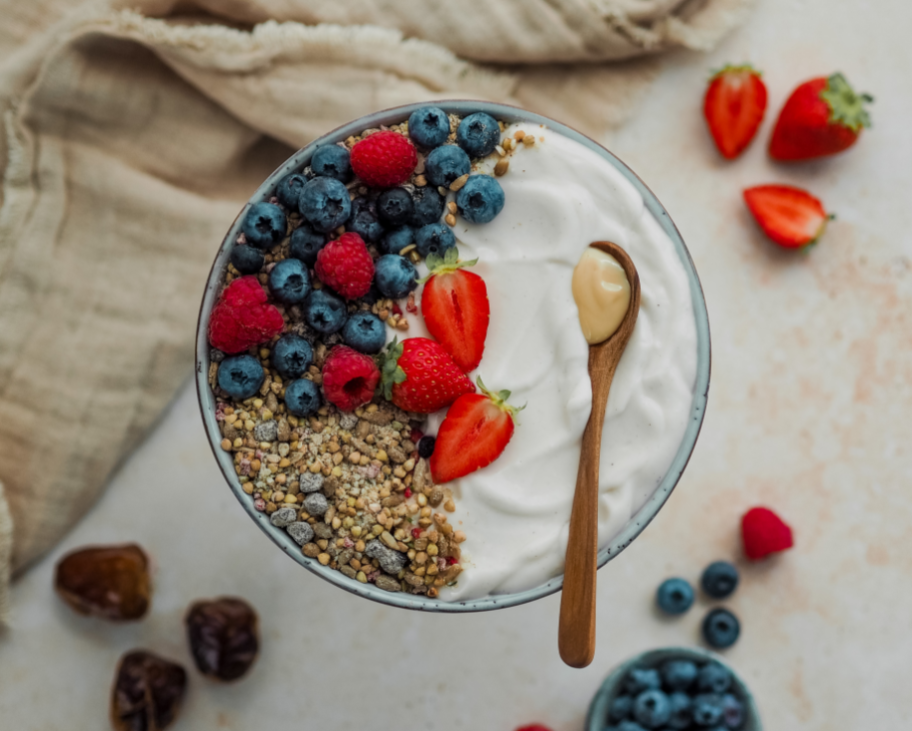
384	159
763	533
349	378
242	318
346	265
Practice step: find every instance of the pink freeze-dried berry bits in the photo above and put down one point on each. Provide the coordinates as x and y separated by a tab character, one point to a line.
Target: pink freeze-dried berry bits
384	159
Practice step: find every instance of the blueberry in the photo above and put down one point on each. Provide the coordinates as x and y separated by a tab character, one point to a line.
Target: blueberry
706	709
332	161
240	376
364	220
395	206
291	356
395	241
395	275
680	710
721	628
426	447
306	244
429	127
445	164
620	708
651	708
435	238
289	189
365	332
714	678
325	203
429	205
678	674
324	312
480	199
302	397
640	679
247	259
674	596
264	225
478	134
719	579
289	281
732	712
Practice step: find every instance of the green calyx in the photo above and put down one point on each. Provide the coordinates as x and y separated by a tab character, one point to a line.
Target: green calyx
445	264
390	372
499	399
846	107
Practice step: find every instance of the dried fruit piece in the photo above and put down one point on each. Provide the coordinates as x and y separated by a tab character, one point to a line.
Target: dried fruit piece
223	635
111	582
147	693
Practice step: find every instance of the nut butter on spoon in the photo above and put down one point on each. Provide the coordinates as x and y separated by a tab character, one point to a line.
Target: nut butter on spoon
606	288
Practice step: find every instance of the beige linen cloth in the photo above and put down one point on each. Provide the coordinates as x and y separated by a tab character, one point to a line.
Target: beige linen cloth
133	132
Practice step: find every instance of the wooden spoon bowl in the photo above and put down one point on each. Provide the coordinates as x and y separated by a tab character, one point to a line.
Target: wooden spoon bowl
576	633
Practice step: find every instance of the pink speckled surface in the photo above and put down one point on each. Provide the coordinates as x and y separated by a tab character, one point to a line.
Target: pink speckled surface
808	412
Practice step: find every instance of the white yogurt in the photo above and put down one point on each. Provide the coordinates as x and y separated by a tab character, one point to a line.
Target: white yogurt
560	197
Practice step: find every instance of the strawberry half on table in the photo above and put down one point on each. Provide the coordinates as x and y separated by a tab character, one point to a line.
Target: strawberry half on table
456	308
475	432
790	216
418	375
823	116
734	106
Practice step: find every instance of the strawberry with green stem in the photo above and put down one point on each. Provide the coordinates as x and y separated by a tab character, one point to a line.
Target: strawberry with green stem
418	375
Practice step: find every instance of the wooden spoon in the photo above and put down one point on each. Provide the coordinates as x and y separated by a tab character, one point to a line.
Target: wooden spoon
576	635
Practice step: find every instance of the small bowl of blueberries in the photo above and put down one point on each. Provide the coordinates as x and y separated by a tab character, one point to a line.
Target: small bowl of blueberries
673	688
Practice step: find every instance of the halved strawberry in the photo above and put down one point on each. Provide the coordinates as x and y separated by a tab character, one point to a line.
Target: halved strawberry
790	216
418	375
456	308
475	432
734	106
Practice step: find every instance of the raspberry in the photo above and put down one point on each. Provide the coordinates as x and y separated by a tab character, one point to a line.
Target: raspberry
241	318
764	533
346	266
534	727
349	378
385	159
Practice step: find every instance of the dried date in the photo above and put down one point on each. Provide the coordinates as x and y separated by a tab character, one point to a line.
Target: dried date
147	693
111	582
223	637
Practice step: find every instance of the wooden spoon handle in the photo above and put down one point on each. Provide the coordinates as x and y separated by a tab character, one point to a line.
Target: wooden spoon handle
576	632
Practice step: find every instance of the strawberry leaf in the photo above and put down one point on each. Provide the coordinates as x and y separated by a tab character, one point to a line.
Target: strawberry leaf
390	372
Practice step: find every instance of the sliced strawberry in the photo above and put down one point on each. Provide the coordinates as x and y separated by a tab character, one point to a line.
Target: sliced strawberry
475	432
790	216
418	375
456	308
734	106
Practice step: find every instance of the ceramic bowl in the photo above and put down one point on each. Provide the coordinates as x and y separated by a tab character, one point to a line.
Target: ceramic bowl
637	522
596	719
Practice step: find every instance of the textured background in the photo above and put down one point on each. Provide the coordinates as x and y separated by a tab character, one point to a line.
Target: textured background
808	412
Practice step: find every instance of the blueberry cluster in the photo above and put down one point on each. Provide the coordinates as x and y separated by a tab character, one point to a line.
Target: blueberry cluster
678	695
720	627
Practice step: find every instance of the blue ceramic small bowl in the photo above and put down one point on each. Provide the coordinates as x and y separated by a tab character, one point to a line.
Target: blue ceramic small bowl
597	718
637	522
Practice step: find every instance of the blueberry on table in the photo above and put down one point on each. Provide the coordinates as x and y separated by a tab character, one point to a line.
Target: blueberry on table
292	355
706	709
240	376
289	190
302	397
396	240
721	628
675	596
365	332
395	206
325	203
332	161
395	275
678	674
264	225
651	708
478	134
719	580
680	704
435	238
640	679
444	164
306	244
426	448
247	259
429	205
429	127
324	312
364	220
289	281
714	678
480	199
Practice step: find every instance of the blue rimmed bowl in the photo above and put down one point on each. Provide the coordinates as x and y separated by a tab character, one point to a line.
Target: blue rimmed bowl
637	522
596	719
